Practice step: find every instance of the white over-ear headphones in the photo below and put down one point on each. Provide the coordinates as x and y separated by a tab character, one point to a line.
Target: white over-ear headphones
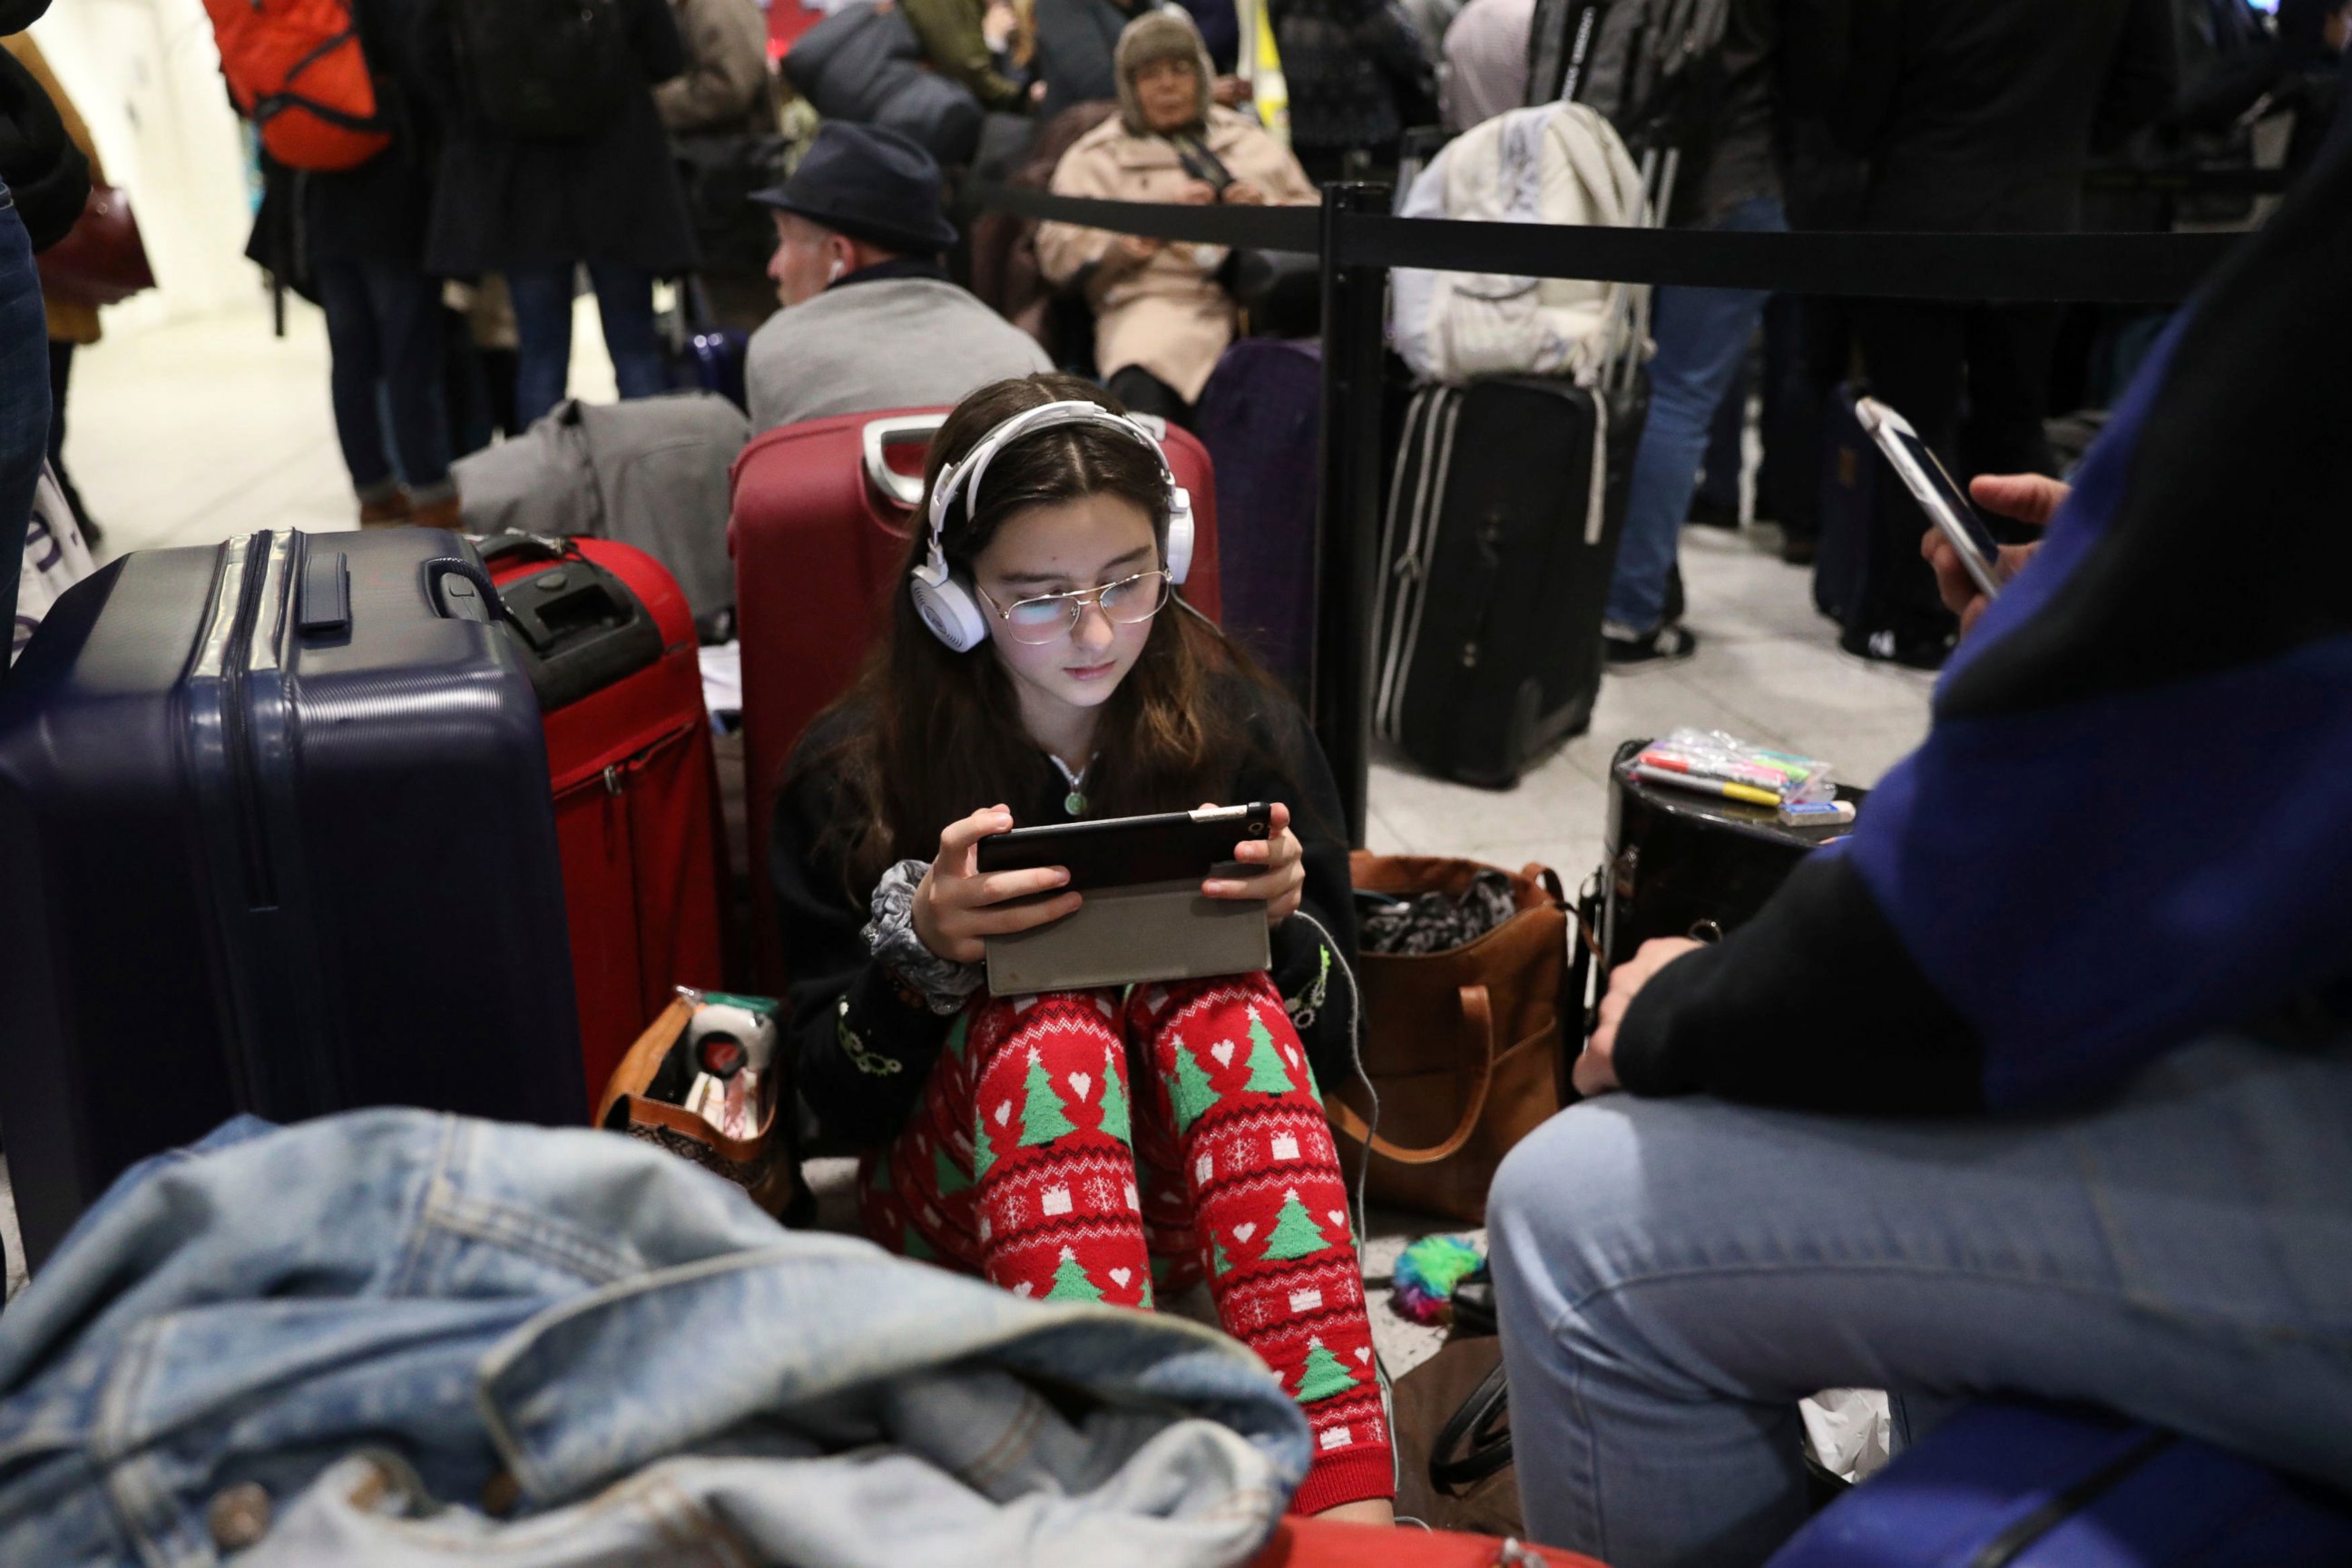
948	603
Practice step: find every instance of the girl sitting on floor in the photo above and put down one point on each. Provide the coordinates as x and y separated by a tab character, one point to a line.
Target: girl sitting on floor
1096	1145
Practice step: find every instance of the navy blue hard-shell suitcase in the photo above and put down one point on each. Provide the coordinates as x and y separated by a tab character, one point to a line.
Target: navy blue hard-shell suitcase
2005	1485
276	837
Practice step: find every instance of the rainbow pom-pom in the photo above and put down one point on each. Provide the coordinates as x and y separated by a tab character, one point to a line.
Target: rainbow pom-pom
1427	1273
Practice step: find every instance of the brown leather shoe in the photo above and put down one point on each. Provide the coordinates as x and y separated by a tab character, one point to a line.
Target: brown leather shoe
390	512
442	513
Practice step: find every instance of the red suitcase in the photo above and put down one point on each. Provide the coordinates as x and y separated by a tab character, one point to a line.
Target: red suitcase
1325	1543
611	645
818	530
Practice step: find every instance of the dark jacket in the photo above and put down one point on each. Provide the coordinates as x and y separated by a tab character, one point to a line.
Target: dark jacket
1076	42
1356	74
503	202
864	1047
379	211
1980	115
46	174
2125	828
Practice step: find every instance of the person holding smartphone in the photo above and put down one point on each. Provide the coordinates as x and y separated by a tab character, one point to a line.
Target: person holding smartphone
1103	1145
2036	1085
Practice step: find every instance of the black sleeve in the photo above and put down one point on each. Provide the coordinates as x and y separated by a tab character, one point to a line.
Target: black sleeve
1814	1003
653	33
862	1044
2143	78
1306	971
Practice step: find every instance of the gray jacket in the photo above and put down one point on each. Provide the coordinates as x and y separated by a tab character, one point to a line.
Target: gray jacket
649	471
887	343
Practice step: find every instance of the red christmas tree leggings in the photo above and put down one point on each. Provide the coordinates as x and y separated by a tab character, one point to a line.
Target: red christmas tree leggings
1031	1161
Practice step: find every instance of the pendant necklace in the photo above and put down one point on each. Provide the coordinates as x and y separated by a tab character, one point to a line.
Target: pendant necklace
1074	803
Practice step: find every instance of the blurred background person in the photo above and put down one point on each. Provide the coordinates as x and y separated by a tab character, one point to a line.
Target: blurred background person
43	181
1162	317
552	161
71	324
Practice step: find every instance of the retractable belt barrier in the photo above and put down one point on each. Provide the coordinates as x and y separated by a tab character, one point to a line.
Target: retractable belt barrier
2113	268
1356	241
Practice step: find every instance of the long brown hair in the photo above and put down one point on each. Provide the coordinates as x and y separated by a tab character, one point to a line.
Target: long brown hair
938	734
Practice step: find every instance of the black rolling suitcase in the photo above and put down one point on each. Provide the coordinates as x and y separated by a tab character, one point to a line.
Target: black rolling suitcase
1500	536
278	836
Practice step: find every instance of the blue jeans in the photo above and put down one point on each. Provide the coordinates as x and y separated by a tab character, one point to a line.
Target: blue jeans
24	400
1702	336
384	330
543	307
657	1367
1674	1275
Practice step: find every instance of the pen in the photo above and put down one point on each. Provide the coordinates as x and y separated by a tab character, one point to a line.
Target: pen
1748	792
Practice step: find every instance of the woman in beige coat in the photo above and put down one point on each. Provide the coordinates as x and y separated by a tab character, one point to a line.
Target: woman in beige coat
1160	316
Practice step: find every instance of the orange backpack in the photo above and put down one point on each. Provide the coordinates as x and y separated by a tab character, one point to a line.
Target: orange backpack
295	69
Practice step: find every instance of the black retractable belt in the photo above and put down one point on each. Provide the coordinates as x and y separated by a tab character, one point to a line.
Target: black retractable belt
2122	268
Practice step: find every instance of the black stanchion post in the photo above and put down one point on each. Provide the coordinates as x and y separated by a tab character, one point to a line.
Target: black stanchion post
1347	518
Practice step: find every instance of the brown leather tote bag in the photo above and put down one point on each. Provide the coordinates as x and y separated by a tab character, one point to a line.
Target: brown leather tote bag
1464	1046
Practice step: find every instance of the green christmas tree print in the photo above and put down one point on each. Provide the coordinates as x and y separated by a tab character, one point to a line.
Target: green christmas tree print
1041	1117
1114	1122
1268	1073
1071	1284
982	1156
945	1177
1193	1093
958	1033
1219	1264
1294	1231
913	1246
1322	1376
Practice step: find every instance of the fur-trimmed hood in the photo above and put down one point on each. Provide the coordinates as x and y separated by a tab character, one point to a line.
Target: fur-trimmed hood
1159	35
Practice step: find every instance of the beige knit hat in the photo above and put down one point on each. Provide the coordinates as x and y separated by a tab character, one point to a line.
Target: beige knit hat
1158	35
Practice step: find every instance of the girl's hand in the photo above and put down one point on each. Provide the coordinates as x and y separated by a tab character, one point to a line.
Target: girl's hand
956	906
1282	875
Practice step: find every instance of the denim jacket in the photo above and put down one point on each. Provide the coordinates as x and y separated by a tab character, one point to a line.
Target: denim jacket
568	1346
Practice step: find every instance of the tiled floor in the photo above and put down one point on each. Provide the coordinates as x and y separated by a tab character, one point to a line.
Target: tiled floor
187	434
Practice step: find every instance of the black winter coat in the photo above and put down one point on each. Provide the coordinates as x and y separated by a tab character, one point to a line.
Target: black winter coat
1979	115
1356	74
503	202
47	175
380	211
1077	43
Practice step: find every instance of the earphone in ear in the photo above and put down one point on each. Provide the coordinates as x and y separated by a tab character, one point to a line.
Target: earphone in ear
833	273
948	603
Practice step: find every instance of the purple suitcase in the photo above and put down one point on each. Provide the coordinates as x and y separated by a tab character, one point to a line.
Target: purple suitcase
2023	1485
1260	416
280	839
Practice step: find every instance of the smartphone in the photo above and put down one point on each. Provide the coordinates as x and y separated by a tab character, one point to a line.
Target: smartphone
1145	917
1932	486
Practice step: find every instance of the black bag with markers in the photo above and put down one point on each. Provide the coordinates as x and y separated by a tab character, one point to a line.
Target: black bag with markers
1678	863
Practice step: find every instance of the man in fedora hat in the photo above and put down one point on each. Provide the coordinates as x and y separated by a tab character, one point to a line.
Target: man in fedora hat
869	319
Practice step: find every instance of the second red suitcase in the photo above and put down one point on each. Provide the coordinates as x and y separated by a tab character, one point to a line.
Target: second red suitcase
819	530
610	643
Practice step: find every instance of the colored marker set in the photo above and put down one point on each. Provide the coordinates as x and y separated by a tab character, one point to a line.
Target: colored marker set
1708	761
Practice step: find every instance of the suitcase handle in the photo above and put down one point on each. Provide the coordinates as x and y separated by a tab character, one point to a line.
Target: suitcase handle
878	437
443	566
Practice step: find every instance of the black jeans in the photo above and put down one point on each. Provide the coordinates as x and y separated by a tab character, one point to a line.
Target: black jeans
1974	381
